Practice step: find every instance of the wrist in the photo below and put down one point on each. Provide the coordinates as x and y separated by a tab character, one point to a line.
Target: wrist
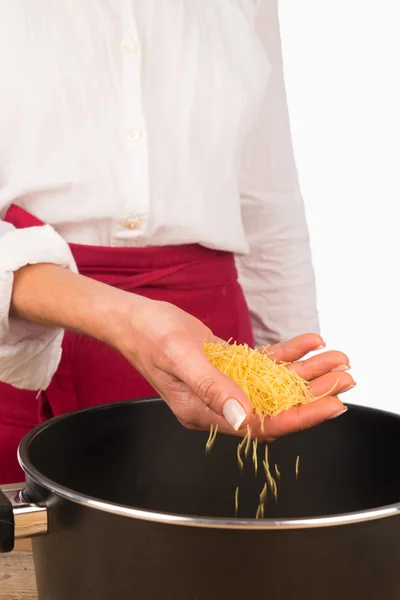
53	296
110	317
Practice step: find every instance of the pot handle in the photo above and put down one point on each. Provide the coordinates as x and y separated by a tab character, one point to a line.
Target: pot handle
19	518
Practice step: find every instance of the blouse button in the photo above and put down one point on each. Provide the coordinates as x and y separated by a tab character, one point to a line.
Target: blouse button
132	223
134	135
129	47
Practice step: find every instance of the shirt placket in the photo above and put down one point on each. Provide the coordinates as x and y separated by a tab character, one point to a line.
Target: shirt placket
131	229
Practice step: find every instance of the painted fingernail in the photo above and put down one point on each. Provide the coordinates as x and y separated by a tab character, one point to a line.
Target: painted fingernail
339	413
234	413
342	368
321	346
350	387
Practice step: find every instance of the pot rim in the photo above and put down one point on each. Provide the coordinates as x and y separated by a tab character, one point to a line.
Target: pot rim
193	520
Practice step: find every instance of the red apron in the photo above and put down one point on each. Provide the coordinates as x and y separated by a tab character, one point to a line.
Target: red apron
201	281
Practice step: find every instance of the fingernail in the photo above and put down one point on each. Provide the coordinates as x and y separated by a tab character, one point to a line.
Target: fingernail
234	413
338	414
350	387
321	346
342	368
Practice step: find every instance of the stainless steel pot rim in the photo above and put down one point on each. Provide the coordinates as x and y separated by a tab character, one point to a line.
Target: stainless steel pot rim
193	520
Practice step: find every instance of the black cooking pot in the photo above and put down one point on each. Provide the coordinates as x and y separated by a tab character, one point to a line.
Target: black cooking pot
123	503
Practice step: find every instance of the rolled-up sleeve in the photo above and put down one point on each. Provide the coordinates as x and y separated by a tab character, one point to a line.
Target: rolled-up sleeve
277	275
29	353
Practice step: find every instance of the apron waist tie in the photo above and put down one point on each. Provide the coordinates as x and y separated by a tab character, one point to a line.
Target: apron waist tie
169	267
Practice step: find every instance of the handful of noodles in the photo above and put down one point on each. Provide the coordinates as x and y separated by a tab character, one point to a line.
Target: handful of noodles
270	386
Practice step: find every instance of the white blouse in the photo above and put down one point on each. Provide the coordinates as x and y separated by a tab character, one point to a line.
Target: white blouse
147	123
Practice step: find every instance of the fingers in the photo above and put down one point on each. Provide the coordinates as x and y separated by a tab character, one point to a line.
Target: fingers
214	389
313	367
320	364
296	348
332	384
290	421
302	417
206	387
195	386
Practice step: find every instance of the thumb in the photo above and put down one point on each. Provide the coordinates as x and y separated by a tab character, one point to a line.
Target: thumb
216	390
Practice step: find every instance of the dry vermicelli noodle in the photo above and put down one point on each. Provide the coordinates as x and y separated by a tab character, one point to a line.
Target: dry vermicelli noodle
242	447
260	511
212	436
255	458
248	441
261	505
263	495
270	479
271	387
240	461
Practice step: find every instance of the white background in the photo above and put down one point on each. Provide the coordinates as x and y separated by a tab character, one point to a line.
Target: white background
343	78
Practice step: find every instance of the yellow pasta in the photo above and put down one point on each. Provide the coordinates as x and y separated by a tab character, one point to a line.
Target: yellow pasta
263	495
270	479
297	466
248	441
236	501
260	511
270	386
212	436
240	460
255	458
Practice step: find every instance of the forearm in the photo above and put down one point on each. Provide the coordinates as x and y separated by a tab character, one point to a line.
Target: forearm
53	296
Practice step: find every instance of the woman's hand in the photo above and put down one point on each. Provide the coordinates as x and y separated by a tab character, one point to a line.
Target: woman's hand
166	345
